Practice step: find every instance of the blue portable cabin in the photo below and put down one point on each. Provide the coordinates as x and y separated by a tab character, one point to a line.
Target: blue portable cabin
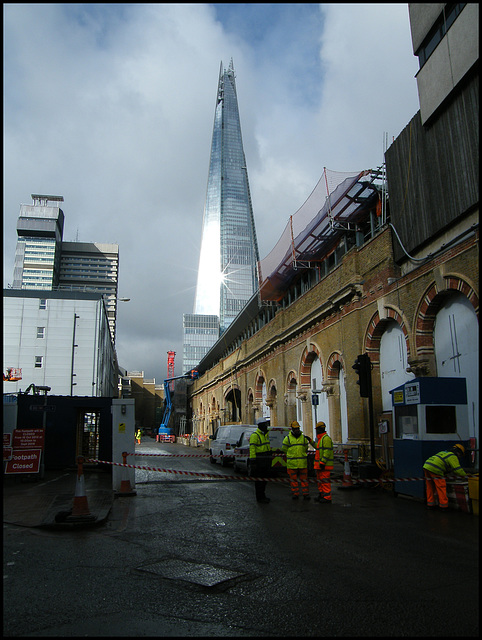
429	415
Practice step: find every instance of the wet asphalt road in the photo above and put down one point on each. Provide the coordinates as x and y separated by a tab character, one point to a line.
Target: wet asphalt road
191	556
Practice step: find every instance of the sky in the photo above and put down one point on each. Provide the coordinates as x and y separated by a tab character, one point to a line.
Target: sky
112	106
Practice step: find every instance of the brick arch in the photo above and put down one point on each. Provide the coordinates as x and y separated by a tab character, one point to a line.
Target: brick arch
250	395
429	306
305	368
292	377
258	387
332	371
231	388
272	385
376	329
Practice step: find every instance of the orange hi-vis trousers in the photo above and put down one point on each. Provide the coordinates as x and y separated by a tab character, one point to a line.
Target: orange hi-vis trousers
324	484
436	486
302	474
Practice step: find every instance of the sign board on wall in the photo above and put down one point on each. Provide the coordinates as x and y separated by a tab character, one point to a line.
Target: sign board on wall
26	451
24	461
23	438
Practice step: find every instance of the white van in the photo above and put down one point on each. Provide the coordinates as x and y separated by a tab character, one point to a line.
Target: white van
276	437
224	440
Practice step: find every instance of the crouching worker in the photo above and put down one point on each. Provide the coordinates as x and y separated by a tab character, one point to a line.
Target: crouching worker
436	468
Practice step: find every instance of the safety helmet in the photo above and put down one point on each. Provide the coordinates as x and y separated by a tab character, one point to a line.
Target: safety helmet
262	421
459	449
321	425
295	425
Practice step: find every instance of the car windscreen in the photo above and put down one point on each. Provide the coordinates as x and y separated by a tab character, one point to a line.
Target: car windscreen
277	435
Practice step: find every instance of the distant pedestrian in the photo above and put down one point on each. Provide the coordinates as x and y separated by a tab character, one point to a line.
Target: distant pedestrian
295	445
138	436
436	468
323	463
260	458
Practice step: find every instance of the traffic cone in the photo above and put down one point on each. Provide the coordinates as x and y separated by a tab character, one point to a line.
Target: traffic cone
80	506
125	486
347	480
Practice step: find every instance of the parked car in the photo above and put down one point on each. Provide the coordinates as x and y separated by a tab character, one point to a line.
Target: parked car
276	437
224	441
241	452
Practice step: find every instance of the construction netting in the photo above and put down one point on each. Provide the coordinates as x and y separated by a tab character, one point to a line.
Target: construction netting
336	199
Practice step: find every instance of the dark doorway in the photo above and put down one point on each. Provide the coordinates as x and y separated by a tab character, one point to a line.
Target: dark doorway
88	422
233	400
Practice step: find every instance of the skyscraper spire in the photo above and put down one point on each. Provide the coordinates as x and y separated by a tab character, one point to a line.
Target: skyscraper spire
227	274
229	249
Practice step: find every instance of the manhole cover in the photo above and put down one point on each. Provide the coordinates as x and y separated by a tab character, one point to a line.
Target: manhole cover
203	574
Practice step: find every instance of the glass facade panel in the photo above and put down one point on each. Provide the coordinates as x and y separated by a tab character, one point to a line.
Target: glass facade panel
200	332
227	274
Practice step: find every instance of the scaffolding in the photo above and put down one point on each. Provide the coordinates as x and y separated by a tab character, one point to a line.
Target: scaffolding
335	205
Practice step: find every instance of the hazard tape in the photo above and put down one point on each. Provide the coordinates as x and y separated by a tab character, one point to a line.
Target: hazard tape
218	476
194	455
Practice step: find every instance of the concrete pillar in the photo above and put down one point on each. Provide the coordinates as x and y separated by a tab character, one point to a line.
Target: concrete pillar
123	439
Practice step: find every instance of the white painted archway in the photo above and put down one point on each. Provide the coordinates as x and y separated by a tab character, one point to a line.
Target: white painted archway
456	342
320	412
393	362
343	406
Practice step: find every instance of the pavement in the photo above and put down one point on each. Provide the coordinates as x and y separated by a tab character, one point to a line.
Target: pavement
29	501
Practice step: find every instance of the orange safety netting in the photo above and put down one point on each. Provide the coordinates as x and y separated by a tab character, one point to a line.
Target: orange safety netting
337	198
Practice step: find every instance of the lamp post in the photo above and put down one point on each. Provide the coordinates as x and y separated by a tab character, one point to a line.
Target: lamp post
45	390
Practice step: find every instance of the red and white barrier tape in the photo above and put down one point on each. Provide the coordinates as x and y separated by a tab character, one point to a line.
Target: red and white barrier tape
251	479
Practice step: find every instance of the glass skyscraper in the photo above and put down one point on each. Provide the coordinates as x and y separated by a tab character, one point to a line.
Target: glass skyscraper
227	275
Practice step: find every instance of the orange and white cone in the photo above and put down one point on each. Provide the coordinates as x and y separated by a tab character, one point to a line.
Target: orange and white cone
80	507
347	479
125	485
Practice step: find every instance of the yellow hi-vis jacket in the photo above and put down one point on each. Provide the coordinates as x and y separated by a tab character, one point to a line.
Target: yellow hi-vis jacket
296	451
324	451
259	444
443	463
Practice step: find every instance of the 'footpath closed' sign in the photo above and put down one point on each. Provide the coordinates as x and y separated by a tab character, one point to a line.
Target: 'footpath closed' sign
24	461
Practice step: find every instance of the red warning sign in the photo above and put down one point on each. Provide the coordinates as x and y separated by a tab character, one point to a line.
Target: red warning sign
31	438
24	461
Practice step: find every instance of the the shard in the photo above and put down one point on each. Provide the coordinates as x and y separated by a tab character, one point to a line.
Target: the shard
227	275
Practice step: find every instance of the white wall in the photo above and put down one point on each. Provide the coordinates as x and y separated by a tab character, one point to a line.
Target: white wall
65	322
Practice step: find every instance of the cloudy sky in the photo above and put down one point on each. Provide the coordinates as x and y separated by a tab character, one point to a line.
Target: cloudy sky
112	107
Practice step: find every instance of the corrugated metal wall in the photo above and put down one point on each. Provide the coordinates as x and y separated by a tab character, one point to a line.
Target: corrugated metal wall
433	172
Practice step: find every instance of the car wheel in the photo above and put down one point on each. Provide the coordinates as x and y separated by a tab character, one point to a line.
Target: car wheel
224	461
211	459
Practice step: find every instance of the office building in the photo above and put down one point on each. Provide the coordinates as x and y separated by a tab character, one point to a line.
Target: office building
59	339
43	261
200	333
227	275
40	228
92	266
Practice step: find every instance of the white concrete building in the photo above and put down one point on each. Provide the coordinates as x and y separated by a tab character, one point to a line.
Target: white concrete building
59	339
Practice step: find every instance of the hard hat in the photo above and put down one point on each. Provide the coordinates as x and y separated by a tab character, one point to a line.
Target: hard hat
262	421
459	448
320	425
295	425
